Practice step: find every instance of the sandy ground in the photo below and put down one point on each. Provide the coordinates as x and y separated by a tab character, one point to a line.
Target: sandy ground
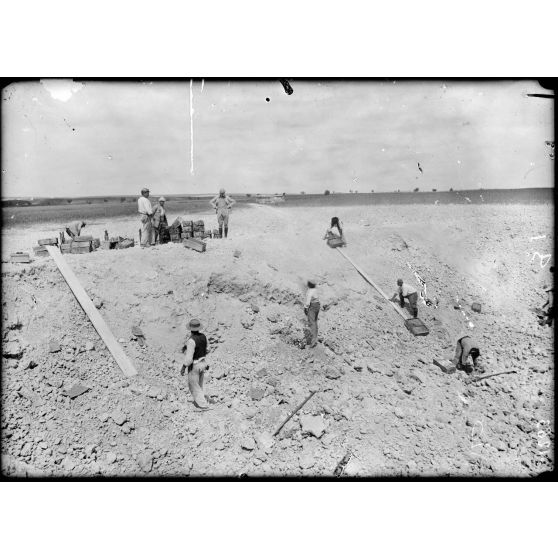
379	397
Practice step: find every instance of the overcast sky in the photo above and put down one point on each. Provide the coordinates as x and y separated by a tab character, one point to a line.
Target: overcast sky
111	138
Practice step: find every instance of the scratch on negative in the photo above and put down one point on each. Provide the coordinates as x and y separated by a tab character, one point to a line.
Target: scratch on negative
191	128
547	256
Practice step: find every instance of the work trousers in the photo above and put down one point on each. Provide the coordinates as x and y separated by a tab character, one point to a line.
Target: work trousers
156	232
412	298
313	311
195	383
146	231
223	220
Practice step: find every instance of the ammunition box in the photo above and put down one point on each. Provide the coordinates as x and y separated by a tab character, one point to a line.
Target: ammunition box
48	242
40	251
20	257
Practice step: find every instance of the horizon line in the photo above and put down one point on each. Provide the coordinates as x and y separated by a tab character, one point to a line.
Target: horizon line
249	194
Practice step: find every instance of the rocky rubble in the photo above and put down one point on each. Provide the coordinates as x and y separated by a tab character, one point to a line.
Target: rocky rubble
379	395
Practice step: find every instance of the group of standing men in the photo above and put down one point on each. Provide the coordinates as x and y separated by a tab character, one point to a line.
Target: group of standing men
153	221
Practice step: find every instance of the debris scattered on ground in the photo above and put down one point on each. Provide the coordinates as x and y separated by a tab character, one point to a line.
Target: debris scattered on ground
76	390
445	365
312	425
379	391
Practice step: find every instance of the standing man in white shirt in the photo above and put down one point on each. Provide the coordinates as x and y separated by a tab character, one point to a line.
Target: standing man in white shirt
146	212
222	205
312	309
405	291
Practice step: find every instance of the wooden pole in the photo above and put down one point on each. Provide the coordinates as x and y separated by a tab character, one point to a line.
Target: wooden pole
491	375
368	280
92	313
294	413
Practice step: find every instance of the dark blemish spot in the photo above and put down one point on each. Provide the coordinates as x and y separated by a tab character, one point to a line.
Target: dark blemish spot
286	86
267	99
73	129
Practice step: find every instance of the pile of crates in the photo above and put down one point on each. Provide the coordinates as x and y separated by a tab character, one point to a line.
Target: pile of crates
80	245
175	230
182	229
117	243
198	229
187	229
40	250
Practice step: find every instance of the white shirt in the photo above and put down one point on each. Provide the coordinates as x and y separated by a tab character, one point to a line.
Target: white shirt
311	296
406	290
144	206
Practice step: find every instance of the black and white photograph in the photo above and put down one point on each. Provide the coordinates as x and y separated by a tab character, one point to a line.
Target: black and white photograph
277	278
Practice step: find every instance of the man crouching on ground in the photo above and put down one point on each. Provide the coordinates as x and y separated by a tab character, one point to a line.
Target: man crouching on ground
467	347
194	361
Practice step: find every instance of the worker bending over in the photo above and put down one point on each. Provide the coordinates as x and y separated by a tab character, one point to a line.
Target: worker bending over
466	347
222	205
405	291
74	229
194	361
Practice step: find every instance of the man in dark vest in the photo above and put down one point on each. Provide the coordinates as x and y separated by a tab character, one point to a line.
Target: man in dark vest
194	361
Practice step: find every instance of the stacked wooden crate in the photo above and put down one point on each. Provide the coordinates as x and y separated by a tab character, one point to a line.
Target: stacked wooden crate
187	229
164	234
81	246
194	244
47	242
198	229
40	250
175	230
125	243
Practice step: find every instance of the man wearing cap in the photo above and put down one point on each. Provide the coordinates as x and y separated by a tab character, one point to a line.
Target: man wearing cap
146	212
74	229
194	361
466	347
312	309
405	291
159	220
222	205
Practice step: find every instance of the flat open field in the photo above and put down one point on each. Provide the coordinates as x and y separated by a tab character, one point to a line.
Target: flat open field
63	214
96	208
378	394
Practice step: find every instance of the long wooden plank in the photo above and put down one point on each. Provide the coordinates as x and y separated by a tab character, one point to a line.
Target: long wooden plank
368	280
92	313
